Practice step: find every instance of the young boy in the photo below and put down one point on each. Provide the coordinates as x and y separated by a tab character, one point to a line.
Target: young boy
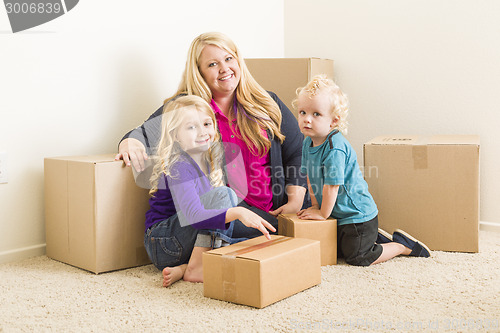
336	185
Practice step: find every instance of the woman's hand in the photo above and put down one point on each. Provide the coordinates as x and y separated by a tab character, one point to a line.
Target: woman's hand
295	196
250	219
288	208
132	151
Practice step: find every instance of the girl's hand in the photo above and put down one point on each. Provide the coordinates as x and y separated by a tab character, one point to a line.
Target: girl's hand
132	151
311	213
250	219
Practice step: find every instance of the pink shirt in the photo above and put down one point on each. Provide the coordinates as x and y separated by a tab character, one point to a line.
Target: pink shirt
249	175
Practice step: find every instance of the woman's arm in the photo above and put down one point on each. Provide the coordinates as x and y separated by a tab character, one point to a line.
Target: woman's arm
291	156
291	148
295	196
140	142
132	152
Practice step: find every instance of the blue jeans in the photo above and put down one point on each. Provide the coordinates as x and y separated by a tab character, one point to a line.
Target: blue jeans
169	244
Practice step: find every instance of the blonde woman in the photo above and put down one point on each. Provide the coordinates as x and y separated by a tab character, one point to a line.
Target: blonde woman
191	211
263	143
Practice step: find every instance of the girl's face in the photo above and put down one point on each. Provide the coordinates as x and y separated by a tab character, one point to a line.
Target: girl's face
315	119
220	70
196	132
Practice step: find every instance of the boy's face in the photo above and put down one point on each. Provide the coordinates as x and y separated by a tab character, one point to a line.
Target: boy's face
315	118
197	131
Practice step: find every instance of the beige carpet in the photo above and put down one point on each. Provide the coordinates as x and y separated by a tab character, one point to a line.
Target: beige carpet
448	292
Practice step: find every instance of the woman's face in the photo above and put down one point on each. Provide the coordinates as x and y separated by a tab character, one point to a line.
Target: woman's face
220	70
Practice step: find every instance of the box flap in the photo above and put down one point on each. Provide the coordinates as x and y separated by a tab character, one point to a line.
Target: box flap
260	249
425	140
88	158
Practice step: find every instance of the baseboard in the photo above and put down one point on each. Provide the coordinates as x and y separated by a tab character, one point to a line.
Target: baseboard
39	250
489	226
23	253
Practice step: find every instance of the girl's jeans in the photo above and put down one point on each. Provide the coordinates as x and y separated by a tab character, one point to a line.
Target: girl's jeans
169	244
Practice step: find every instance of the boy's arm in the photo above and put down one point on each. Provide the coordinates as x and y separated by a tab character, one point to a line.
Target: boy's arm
321	213
329	198
314	202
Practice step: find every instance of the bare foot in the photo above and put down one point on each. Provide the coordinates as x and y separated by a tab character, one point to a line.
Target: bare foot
194	273
173	274
194	270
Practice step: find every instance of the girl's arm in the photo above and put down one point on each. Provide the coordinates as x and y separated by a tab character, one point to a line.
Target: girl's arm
249	219
192	212
329	198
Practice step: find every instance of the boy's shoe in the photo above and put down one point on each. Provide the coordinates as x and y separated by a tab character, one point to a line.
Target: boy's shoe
383	237
418	249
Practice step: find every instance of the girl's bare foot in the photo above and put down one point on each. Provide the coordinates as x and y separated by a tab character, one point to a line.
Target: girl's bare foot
173	274
194	274
194	270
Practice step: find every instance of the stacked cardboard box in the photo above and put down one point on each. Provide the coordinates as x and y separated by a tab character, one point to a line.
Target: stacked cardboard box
427	186
284	75
94	213
324	231
259	272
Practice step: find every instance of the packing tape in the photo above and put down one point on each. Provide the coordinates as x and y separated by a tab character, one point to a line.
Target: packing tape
228	279
419	154
255	247
282	226
229	290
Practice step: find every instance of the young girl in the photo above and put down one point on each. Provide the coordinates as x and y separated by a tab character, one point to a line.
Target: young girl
190	209
336	185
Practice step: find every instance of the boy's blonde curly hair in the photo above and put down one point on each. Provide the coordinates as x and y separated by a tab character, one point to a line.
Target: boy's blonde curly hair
338	100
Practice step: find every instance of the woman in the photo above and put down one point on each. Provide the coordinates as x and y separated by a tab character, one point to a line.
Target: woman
262	138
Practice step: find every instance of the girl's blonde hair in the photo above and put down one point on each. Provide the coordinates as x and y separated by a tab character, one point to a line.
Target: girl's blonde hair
169	150
339	105
255	108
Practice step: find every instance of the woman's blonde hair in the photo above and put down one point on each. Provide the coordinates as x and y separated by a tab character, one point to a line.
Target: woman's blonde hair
169	149
256	110
339	104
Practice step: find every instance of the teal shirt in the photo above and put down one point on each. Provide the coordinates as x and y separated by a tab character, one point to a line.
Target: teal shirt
334	162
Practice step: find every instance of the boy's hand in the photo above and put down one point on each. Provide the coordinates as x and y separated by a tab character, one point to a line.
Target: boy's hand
311	213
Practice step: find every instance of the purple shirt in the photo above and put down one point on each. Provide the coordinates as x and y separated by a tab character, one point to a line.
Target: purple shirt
181	194
251	172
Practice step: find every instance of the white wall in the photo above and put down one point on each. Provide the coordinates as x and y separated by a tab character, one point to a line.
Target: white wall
411	67
75	85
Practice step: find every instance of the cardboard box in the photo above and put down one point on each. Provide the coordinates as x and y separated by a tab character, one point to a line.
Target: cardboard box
428	187
284	75
258	272
94	213
324	231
